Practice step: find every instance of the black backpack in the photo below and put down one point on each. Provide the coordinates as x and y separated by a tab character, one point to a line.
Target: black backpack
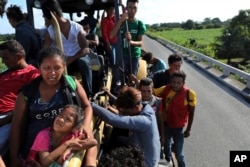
68	88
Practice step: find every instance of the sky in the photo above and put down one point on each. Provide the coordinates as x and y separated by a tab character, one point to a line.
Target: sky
161	11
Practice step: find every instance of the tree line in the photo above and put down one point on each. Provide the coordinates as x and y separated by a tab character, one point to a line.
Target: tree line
234	43
5	37
191	25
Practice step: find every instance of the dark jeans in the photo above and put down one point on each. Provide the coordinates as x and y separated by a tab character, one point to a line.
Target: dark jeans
177	135
83	66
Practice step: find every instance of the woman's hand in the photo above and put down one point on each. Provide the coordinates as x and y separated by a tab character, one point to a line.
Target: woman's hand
81	142
86	131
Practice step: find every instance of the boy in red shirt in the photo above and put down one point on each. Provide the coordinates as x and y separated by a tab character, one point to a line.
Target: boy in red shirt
178	106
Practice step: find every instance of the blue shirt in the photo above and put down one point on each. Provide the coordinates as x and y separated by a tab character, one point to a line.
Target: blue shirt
160	65
30	41
143	128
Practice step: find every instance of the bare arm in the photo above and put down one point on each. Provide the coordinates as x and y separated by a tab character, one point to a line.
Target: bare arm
96	41
115	30
2	162
138	43
88	112
15	131
112	109
110	95
47	158
190	121
83	43
73	144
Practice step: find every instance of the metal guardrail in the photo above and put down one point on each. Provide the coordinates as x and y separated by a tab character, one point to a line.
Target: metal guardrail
221	71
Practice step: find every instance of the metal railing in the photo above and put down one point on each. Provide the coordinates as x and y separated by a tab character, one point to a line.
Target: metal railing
221	71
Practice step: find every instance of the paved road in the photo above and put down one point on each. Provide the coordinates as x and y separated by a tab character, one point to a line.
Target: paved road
222	118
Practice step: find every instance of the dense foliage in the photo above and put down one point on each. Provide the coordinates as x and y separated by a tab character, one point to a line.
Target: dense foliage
235	39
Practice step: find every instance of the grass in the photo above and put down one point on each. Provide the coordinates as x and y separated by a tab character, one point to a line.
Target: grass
2	66
182	37
204	39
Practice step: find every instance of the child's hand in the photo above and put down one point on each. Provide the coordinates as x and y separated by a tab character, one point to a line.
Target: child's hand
74	144
81	142
66	154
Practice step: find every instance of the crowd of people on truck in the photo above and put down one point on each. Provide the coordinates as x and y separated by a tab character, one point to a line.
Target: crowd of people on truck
46	114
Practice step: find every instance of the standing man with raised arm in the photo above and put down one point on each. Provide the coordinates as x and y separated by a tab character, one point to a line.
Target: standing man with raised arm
132	31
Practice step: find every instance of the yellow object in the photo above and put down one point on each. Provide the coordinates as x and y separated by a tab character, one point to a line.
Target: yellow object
76	159
57	33
142	70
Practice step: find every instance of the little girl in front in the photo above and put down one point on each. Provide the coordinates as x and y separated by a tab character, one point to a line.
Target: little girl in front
53	145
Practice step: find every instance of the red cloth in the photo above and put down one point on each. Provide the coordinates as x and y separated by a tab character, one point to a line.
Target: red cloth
11	82
177	112
107	25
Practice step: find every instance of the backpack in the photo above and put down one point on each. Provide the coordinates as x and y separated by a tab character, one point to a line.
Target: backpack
68	88
166	91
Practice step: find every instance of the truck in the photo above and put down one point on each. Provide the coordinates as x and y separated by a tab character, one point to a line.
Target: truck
76	8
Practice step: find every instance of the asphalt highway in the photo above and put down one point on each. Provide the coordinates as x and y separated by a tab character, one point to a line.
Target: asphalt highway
222	117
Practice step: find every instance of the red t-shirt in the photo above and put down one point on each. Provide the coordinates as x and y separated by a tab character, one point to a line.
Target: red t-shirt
107	25
11	82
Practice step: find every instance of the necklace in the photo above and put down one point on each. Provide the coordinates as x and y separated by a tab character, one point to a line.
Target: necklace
41	102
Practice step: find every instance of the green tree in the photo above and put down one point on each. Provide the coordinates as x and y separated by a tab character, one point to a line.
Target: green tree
216	21
235	41
207	21
188	25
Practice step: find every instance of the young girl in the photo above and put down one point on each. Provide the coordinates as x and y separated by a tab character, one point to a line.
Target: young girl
53	145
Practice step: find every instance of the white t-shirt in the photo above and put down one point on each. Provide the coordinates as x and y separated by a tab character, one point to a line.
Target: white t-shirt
70	45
